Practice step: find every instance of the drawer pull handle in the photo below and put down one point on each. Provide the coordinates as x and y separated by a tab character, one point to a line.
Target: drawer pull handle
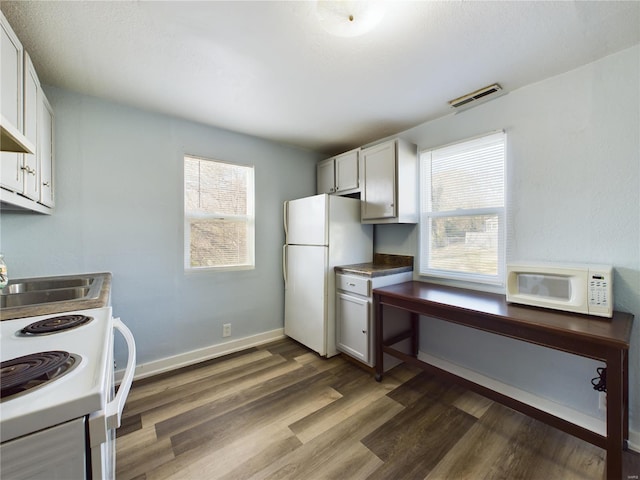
351	284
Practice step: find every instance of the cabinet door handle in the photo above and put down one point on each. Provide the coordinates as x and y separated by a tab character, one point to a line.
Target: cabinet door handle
45	184
364	331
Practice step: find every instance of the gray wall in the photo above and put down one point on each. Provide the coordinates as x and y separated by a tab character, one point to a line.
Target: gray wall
119	208
574	196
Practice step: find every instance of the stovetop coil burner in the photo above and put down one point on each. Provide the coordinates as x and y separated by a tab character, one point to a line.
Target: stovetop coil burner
29	371
55	324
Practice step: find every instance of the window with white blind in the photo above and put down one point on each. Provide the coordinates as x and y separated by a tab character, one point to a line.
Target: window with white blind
462	210
219	215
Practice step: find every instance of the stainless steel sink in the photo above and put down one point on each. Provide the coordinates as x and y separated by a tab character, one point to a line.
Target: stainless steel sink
39	284
43	296
38	291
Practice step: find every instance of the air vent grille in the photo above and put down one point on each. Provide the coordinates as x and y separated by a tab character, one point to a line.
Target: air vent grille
474	98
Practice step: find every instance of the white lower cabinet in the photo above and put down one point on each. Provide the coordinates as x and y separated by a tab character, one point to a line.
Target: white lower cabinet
355	317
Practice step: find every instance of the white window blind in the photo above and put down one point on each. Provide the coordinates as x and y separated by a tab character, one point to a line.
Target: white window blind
219	214
462	211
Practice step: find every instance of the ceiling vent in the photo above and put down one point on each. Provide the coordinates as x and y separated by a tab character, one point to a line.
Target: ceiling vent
477	97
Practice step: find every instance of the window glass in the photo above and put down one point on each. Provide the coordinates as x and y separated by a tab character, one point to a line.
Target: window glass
462	214
219	214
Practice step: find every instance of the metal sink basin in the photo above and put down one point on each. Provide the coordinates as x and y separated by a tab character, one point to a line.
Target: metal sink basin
24	286
38	291
43	296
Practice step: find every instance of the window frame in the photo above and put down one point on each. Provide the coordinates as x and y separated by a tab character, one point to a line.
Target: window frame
425	217
249	219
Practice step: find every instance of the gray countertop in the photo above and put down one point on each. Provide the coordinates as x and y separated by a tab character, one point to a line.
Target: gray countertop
382	264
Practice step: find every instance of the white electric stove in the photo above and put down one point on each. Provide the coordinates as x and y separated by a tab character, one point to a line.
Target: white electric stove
58	411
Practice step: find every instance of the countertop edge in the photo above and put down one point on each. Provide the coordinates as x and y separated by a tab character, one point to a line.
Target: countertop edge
377	271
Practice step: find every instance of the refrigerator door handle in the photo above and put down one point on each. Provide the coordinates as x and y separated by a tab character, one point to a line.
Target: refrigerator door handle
285	219
284	265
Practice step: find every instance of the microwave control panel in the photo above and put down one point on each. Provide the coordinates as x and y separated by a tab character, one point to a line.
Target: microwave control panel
600	292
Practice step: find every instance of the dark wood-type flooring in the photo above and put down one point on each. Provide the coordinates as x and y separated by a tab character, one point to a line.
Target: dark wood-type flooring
281	412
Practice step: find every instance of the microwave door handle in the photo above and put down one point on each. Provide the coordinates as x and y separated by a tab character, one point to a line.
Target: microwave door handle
116	406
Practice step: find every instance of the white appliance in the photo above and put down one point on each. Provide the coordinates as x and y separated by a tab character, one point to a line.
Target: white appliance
62	428
321	232
577	288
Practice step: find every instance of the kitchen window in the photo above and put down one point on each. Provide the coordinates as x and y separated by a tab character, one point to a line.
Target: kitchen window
462	210
219	219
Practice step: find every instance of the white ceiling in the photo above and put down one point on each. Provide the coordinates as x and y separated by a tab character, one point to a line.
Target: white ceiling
268	68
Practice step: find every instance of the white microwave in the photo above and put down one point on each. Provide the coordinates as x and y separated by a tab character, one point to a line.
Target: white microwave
577	288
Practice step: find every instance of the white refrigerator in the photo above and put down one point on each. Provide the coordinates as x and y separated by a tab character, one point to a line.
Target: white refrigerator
321	232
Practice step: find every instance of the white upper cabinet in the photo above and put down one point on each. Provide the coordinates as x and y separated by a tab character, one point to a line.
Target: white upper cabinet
339	174
12	137
11	101
325	176
21	174
347	172
379	173
45	151
31	175
389	182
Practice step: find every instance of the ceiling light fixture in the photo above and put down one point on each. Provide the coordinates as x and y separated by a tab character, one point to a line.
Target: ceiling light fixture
349	18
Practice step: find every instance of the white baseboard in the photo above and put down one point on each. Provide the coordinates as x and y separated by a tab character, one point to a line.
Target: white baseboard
591	423
167	364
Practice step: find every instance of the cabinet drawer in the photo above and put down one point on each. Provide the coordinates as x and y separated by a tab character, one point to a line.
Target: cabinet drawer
354	284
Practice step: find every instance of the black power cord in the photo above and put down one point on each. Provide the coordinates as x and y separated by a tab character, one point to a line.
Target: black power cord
600	382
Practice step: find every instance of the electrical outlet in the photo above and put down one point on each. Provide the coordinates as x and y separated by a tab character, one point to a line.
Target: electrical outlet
226	330
602	401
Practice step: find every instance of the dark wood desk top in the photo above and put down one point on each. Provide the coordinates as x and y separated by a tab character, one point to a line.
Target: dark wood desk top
474	307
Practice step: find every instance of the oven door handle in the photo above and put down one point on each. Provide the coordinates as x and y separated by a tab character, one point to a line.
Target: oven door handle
109	418
116	406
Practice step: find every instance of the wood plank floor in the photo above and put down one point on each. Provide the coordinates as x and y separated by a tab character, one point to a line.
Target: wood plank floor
281	412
